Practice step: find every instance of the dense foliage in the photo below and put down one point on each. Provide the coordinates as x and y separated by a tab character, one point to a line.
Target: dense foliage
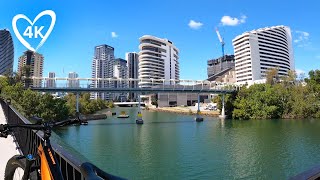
279	98
45	106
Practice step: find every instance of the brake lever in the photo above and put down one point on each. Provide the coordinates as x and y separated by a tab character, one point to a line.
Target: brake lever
4	131
3	127
4	134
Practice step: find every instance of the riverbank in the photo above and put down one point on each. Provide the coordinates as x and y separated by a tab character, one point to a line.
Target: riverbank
191	110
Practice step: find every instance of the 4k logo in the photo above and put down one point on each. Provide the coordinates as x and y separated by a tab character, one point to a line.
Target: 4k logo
33	31
37	32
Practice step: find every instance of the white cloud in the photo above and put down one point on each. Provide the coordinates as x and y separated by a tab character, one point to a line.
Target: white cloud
302	38
114	35
195	25
233	21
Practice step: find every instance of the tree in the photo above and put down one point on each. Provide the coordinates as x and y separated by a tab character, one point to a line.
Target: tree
259	101
50	109
13	92
26	72
228	100
30	102
71	103
272	75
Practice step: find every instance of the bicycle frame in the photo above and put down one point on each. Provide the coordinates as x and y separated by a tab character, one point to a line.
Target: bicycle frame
49	167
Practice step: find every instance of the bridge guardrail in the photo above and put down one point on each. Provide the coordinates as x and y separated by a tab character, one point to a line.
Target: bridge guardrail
27	142
311	174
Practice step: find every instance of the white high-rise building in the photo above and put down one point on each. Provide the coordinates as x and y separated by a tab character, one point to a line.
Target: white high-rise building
72	81
259	50
158	59
102	67
120	71
51	83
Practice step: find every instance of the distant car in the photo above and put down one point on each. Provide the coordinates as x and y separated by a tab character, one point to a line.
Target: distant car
212	108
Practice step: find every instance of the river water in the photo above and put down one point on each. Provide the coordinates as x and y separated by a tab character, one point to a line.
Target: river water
172	146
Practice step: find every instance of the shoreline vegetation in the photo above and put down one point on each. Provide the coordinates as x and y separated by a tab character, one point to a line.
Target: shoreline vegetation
34	104
281	97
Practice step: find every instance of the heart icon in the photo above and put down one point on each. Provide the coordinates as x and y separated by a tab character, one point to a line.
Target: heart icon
22	16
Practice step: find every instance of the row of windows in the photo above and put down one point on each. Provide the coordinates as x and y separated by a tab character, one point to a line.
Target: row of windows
239	62
241	40
283	38
244	68
245	47
270	40
243	53
279	30
285	56
243	72
244	43
239	65
264	73
271	65
280	40
151	54
176	51
275	55
153	42
242	58
279	61
150	48
261	44
268	50
248	79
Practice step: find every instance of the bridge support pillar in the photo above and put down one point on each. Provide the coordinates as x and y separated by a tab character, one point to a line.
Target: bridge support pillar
77	105
139	119
198	117
223	115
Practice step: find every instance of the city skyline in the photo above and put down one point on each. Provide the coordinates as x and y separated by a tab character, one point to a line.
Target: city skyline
192	32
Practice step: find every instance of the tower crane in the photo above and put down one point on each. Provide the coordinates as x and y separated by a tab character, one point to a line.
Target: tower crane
222	46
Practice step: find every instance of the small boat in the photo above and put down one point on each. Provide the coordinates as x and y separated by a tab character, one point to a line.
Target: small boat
139	118
139	121
123	115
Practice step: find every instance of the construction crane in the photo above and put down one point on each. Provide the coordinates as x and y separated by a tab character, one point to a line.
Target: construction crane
222	46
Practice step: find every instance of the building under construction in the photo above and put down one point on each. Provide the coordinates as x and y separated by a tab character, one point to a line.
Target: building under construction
220	67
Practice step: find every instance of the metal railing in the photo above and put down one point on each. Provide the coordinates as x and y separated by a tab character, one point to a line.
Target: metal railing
112	85
59	82
311	174
27	142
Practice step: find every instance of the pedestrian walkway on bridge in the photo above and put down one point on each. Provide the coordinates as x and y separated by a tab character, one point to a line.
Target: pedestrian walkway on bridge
8	147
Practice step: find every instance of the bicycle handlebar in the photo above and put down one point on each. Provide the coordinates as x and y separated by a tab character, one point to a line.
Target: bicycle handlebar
43	126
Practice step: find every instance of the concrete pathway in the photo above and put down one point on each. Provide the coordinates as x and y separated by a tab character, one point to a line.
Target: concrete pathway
7	147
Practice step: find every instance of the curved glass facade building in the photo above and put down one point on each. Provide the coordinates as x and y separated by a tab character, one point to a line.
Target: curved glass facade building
6	52
259	50
158	60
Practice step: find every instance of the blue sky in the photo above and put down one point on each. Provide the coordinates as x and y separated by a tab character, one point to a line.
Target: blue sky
190	25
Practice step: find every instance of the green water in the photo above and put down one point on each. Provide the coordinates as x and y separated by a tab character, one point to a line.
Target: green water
172	146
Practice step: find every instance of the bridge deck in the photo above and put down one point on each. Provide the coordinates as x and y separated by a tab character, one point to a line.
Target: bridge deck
151	90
